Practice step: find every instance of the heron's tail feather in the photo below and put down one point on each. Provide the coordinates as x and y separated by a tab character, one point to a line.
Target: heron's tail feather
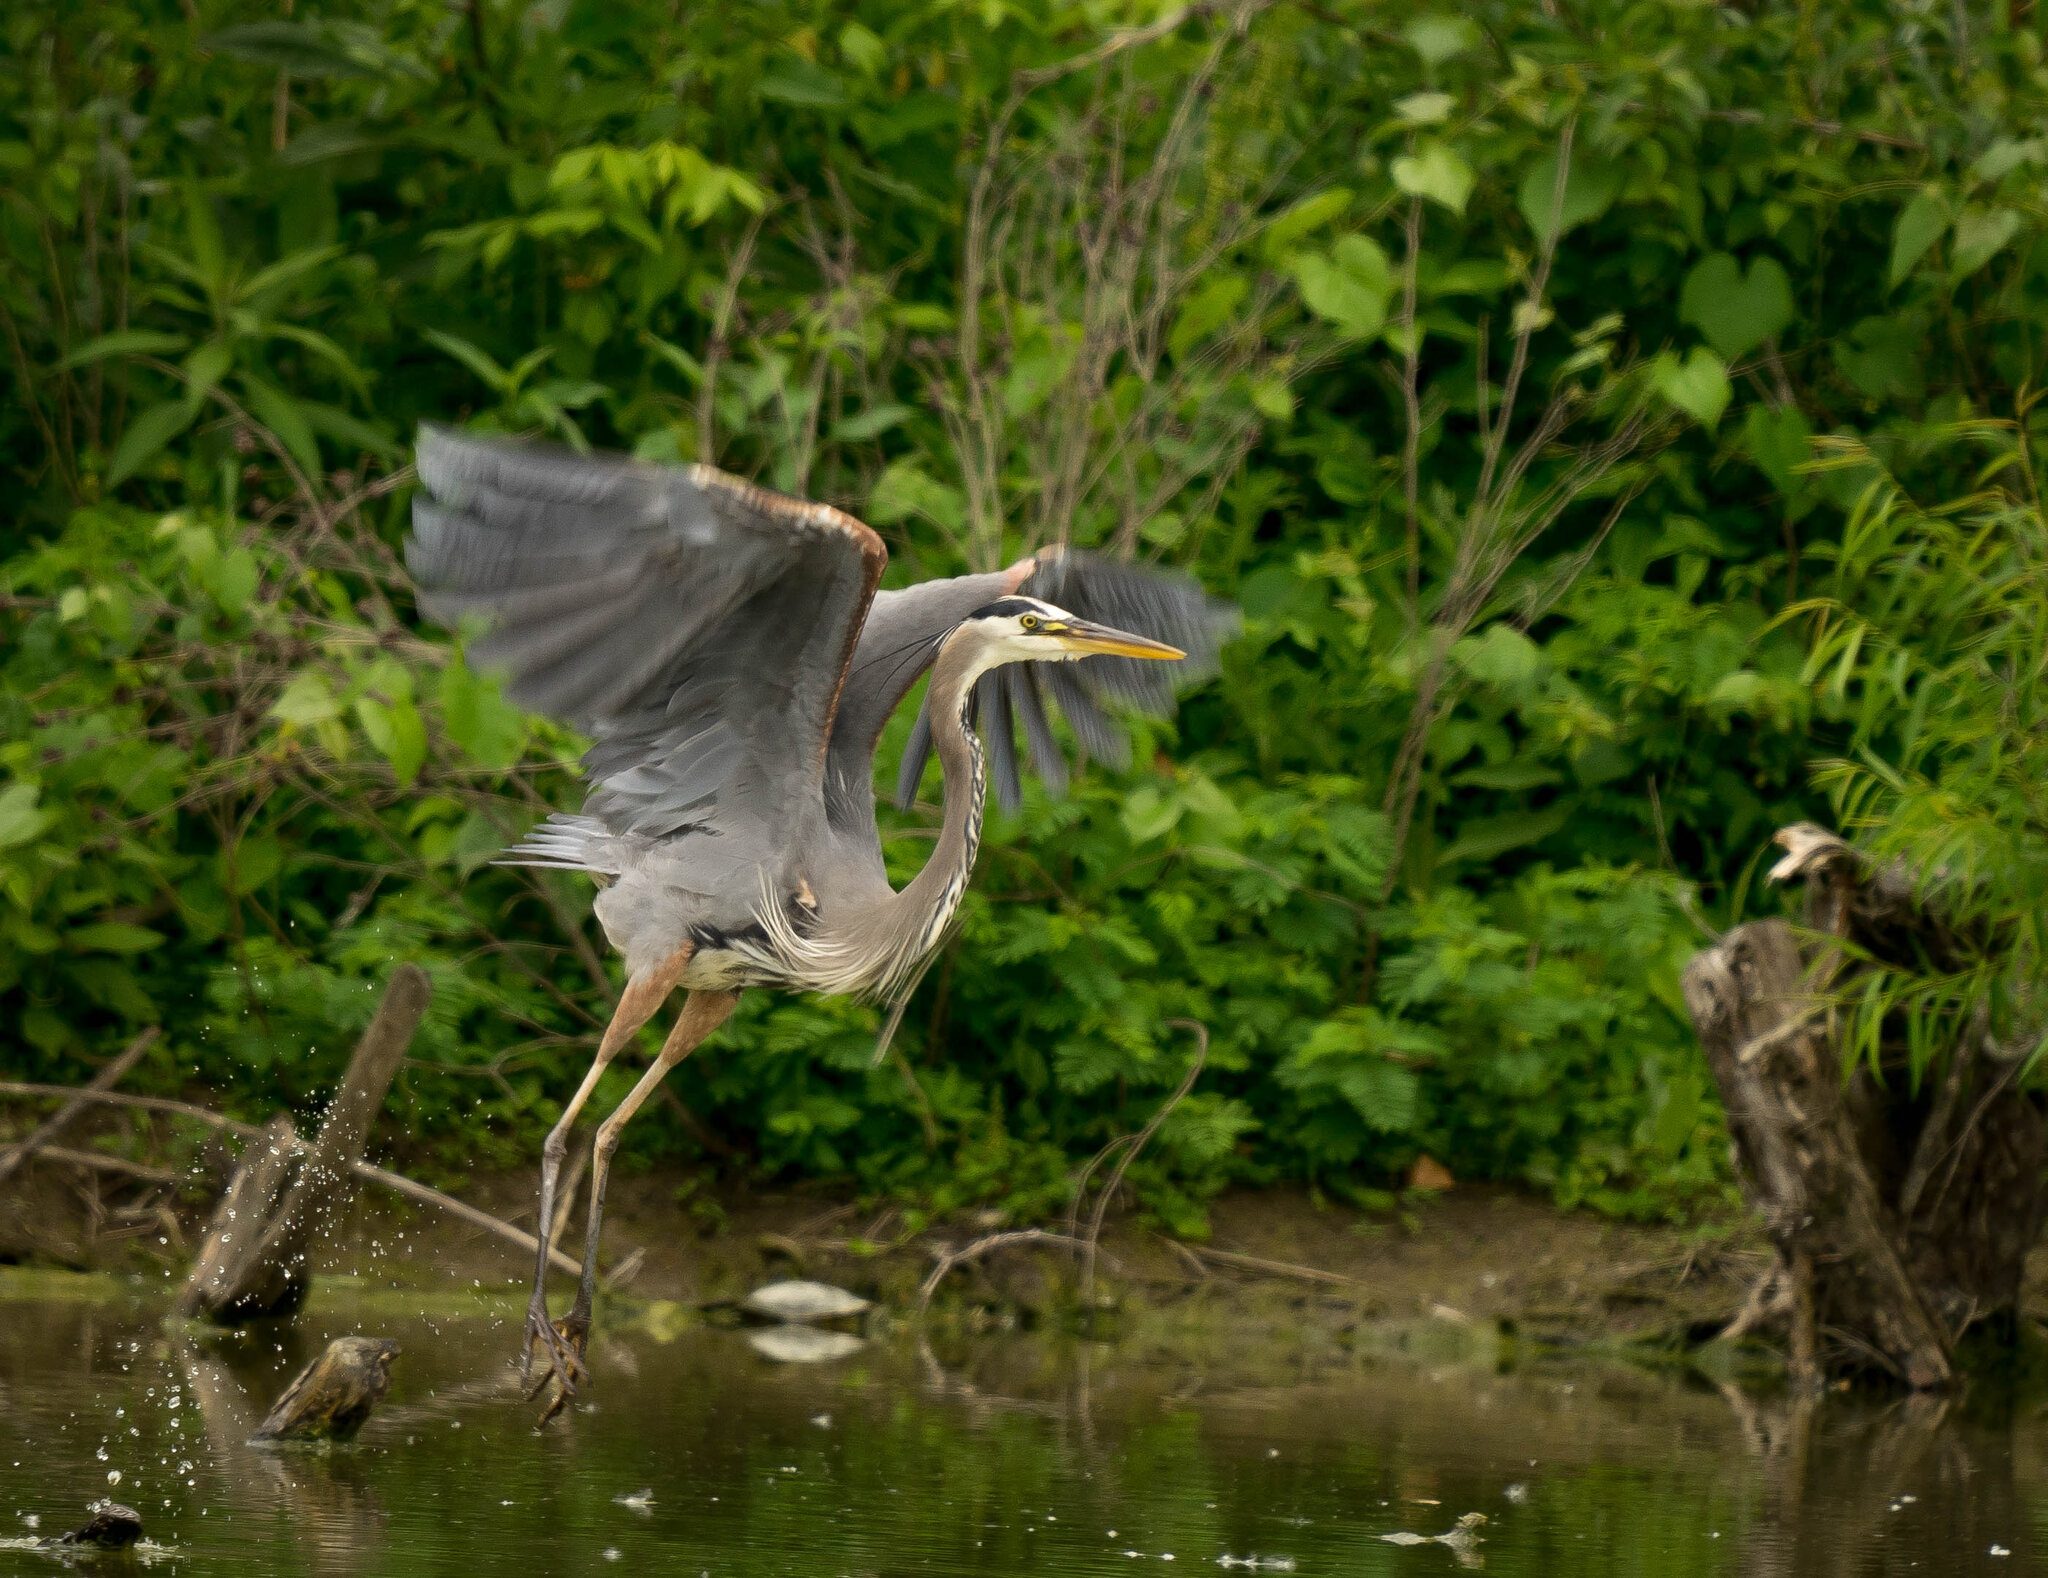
566	843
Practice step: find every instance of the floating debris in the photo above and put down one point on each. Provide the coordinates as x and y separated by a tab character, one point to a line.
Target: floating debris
803	1344
1460	1538
1517	1493
641	1501
1266	1564
804	1303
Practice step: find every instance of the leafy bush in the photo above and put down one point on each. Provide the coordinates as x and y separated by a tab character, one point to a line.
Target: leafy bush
1477	355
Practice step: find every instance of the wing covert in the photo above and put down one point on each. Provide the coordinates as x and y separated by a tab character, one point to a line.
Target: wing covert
698	628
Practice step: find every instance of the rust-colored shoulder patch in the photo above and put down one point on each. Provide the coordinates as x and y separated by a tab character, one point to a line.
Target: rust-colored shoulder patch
799	512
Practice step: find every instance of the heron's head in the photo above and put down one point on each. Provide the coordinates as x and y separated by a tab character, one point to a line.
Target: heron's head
1020	629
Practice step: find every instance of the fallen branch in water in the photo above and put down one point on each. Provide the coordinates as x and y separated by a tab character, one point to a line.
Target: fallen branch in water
1132	1145
60	1120
100	1162
967	1254
1273	1268
1088	1245
369	1171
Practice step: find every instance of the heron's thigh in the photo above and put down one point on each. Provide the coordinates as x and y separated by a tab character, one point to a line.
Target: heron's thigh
646	990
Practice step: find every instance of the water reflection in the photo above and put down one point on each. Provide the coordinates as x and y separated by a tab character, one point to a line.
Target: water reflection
987	1455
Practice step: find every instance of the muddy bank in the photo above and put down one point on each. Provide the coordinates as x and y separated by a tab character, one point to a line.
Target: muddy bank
1467	1266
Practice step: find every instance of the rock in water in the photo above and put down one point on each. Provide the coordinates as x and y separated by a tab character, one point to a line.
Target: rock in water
113	1527
803	1303
334	1394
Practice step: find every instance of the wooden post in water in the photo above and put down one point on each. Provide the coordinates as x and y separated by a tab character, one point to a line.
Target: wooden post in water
1901	1217
254	1262
332	1396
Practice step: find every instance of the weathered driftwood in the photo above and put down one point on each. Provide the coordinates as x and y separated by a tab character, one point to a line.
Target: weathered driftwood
112	1527
1901	1218
18	1156
255	1261
332	1396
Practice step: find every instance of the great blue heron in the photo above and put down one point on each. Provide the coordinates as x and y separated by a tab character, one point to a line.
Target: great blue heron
727	651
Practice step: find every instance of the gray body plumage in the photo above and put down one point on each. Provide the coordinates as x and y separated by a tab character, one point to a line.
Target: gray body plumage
727	652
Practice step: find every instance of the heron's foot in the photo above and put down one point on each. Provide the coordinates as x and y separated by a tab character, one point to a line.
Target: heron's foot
563	1344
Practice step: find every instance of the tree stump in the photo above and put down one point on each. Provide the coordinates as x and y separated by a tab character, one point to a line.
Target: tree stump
254	1262
112	1527
332	1396
1902	1217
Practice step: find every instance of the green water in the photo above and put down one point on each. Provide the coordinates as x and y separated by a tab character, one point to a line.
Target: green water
1000	1455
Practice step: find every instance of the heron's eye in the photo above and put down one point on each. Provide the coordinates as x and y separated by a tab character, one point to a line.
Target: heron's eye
1029	621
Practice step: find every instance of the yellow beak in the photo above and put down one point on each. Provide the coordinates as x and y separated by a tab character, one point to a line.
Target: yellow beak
1083	636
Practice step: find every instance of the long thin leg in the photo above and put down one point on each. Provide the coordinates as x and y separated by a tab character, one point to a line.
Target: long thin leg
703	1012
643	997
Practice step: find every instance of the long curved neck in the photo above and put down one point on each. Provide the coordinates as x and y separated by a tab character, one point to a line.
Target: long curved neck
930	898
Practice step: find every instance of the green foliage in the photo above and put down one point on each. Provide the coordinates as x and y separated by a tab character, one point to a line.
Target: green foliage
1478	356
1931	645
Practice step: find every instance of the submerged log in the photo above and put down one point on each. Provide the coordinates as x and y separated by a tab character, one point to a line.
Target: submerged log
332	1396
112	1527
1902	1217
255	1261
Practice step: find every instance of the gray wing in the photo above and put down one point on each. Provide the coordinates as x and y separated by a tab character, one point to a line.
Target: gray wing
697	627
905	628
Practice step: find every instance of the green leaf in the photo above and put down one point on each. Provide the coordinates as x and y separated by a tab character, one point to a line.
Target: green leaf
113	937
790	79
1212	305
1501	656
1981	234
1151	812
1437	38
870	424
250	863
205	367
397	733
1736	312
472	358
315	48
1438	172
307	700
1425	109
233	580
348	432
1920	224
1349	287
145	439
208	251
280	413
905	491
1779	442
1484	837
127	342
20	821
1590	188
484	726
1698	385
1273	400
863	49
287	269
1304	218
